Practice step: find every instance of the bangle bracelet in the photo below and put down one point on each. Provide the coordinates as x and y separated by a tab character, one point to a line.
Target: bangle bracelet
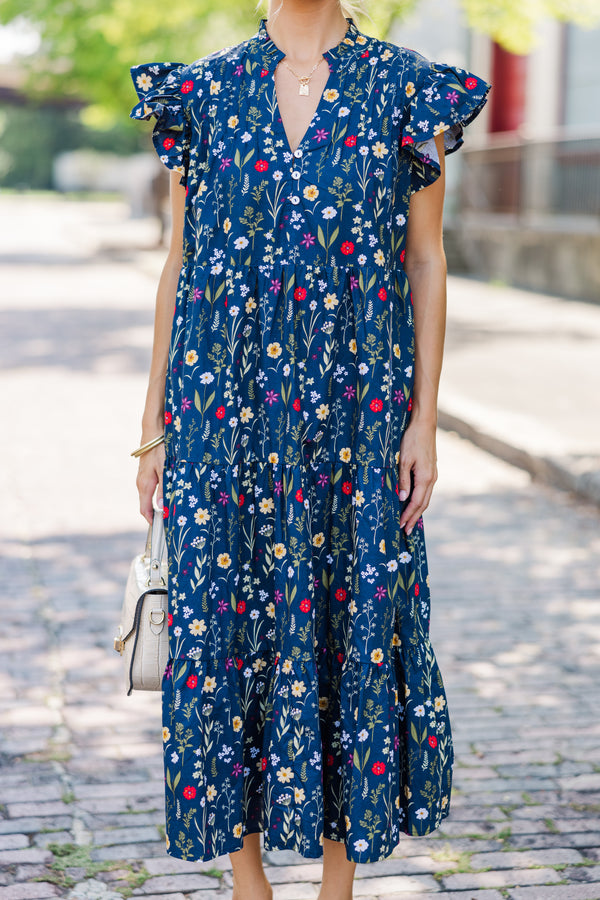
149	446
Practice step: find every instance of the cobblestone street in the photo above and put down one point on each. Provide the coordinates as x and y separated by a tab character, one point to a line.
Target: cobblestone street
514	572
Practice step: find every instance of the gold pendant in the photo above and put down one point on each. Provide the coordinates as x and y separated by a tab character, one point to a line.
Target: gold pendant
303	89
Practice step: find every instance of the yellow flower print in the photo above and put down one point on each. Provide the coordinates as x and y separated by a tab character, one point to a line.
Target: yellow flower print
379	257
345	454
250	304
318	539
352	345
144	82
379	149
211	791
330	301
397	351
232	121
270	610
406	691
198	626
224	560
331	94
246	413
440	128
407	792
322	411
299	795
382	545
259	664
386	54
311	192
201	516
191	357
323	703
352	607
439	703
237	830
210	683
266	505
286	666
396	640
444	802
397	801
227	225
359	498
279	551
298	688
284	774
237	723
167	841
360	39
274	349
348	822
377	655
177	423
166	734
409	89
215	87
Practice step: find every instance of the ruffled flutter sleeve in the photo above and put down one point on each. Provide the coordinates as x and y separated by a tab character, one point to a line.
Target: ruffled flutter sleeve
442	99
162	90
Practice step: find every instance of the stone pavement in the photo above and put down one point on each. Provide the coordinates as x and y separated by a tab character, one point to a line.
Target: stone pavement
514	578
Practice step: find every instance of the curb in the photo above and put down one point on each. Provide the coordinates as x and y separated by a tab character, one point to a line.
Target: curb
546	469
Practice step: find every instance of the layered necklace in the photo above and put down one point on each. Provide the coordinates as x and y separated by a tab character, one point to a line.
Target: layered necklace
304	80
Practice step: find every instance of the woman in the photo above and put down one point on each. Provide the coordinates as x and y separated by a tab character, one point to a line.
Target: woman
298	345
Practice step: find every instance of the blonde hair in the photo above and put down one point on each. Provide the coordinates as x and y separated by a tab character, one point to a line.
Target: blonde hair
351	9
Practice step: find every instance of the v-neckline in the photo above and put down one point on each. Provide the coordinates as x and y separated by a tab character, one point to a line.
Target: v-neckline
279	117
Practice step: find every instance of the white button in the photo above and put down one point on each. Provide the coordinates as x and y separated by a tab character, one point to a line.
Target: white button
296	174
295	199
298	153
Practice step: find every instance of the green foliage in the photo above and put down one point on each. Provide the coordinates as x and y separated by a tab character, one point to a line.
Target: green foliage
512	23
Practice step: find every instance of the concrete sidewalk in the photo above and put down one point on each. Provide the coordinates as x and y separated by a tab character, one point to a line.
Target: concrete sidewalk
514	574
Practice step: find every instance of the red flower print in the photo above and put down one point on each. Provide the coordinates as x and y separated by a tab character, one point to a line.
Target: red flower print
261	165
432	741
264	72
340	594
239	662
170	619
241	500
168	418
403	256
347	248
263	763
340	657
192	681
187	86
350	140
364	54
165	512
299	495
241	606
305	605
407	140
296	404
471	83
168	143
347	487
300	293
220	412
189	792
409	404
417	590
376	404
382	294
378	768
330	759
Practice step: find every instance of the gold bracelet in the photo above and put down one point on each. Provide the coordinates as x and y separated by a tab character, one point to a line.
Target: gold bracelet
149	446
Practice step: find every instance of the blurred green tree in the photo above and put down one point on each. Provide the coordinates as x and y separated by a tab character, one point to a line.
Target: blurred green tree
87	46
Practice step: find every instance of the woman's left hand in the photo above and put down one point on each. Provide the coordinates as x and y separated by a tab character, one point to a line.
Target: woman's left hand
417	453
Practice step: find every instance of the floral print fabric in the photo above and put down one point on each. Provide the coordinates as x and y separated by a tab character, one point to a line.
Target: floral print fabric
302	698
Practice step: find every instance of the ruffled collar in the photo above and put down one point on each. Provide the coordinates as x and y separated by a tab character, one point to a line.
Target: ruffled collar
271	53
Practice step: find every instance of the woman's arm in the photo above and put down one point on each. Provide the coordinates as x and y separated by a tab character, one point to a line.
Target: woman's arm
152	462
426	270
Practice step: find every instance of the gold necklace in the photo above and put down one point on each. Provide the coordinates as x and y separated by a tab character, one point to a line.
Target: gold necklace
304	79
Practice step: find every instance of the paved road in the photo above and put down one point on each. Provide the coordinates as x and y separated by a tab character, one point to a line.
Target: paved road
514	577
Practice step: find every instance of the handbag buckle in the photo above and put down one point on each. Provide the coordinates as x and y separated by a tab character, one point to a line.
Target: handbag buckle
157	616
119	642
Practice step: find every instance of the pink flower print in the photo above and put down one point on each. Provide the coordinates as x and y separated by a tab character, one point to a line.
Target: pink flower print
198	294
275	285
349	392
238	70
225	163
380	592
323	479
271	397
353	282
308	240
398	396
320	135
222	606
186	404
223	498
452	96
237	769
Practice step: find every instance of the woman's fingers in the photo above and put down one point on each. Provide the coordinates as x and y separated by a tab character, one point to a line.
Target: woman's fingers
419	500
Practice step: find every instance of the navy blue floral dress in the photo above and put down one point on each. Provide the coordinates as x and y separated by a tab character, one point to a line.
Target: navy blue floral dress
302	698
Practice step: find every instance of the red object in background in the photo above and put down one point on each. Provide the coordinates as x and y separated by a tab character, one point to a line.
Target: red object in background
509	80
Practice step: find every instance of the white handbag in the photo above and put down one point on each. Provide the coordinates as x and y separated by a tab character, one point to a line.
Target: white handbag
143	636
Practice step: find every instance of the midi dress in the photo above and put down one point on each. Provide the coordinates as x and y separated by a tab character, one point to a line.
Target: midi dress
302	698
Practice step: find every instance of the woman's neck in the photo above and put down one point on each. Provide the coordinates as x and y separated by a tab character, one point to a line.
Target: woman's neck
304	29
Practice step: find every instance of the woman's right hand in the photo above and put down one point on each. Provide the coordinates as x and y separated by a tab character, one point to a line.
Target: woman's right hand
150	474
